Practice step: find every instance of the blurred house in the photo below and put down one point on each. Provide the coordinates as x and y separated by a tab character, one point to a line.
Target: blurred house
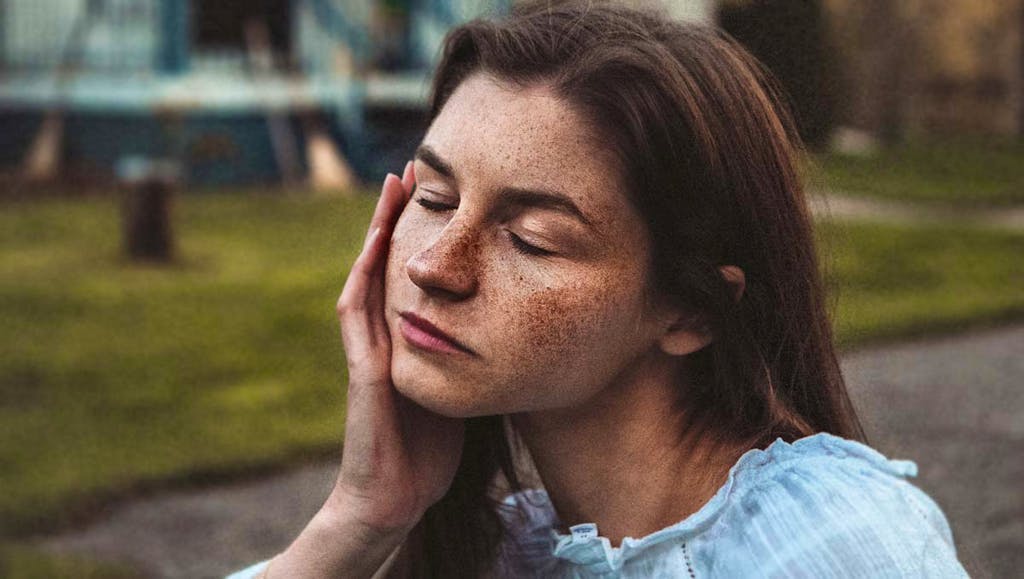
334	91
235	91
239	91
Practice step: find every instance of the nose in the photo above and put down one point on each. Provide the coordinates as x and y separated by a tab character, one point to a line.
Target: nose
448	267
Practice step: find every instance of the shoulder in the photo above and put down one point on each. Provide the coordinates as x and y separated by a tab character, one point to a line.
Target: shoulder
827	506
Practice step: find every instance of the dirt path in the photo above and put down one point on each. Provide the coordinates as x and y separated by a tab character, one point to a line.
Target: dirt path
952	404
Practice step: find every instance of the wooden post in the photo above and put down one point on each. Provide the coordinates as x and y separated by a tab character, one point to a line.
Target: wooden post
146	209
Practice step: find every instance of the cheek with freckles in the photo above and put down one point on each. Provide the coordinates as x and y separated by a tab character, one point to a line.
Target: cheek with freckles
564	344
551	334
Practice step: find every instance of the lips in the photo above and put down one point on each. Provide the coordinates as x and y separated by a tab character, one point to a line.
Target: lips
425	334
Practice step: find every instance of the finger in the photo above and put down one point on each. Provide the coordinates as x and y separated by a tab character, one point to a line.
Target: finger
362	297
408	177
393	199
388	208
375	218
382	201
394	202
396	196
352	303
383	214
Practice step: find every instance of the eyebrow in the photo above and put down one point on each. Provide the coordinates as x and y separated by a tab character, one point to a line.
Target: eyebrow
429	156
542	198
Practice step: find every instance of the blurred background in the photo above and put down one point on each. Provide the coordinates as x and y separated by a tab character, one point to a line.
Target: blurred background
184	183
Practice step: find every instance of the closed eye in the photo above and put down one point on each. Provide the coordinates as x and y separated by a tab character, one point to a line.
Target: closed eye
525	248
517	242
433	205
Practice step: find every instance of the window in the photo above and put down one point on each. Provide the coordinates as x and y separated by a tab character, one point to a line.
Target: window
220	25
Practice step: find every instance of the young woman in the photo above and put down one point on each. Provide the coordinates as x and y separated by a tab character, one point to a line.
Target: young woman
602	251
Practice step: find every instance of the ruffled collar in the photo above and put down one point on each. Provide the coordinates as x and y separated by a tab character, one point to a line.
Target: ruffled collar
584	546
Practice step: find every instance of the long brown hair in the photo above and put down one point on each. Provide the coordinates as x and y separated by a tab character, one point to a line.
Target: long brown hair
709	150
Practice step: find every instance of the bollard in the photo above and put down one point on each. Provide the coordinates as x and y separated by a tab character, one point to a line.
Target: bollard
147	189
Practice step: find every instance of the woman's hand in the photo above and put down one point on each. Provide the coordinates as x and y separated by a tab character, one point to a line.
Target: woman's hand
398	458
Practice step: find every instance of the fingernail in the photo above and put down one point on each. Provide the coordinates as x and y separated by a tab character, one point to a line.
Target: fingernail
371	237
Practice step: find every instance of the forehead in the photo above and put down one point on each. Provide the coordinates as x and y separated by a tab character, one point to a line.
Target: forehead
495	135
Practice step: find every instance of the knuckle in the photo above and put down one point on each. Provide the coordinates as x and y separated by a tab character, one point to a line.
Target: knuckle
347	306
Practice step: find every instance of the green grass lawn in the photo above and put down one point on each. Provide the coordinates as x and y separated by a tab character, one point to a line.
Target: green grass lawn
890	281
962	172
119	377
19	562
116	374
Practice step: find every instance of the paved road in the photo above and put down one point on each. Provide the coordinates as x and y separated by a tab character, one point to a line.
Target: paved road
955	406
952	404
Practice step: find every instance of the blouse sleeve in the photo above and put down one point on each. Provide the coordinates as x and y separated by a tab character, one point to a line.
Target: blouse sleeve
250	572
834	518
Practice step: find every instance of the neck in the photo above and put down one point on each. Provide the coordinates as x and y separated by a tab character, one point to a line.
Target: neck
628	460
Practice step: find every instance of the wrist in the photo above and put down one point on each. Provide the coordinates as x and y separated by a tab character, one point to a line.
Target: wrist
343	510
336	544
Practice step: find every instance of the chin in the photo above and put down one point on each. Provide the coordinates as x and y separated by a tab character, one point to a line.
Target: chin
439	396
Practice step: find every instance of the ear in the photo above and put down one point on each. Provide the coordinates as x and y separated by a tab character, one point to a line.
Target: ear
689	333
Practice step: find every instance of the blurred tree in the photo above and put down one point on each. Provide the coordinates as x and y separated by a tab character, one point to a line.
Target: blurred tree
893	42
792	38
923	67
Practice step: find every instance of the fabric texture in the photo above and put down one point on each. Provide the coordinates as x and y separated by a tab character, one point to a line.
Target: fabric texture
250	572
820	507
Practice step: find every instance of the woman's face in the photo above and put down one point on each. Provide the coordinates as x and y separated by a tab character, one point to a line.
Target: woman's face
519	243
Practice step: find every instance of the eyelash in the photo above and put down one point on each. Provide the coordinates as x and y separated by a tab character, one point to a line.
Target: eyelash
525	248
433	205
517	242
